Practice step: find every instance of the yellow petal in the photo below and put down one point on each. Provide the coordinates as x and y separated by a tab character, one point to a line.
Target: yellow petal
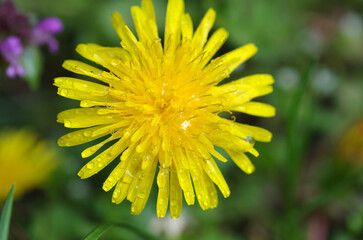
255	80
81	85
244	131
128	39
201	34
214	44
115	176
102	55
242	161
91	150
211	168
144	188
212	192
80	137
221	67
102	160
85	117
184	181
187	27
163	195
175	195
84	69
256	109
174	13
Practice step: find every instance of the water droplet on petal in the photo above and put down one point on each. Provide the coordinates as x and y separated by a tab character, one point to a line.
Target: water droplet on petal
64	92
87	133
141	195
90	165
116	194
67	123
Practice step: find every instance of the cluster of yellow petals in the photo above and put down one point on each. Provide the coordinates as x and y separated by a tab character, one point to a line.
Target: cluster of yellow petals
159	104
24	160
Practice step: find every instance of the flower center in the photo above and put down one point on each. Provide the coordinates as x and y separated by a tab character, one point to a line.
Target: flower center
168	107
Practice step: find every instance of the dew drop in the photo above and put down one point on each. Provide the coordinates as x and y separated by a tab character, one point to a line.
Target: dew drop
84	104
106	186
250	169
116	194
111	178
90	165
127	134
250	139
87	133
141	195
67	123
100	165
139	149
64	92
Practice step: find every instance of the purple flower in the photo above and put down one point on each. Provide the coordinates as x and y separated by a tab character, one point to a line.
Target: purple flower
13	23
51	25
44	31
16	33
11	49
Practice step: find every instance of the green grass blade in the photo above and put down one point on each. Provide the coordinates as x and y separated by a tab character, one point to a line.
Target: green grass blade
294	160
6	214
99	231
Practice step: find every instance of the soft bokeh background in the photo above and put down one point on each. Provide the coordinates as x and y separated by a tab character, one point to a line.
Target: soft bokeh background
308	181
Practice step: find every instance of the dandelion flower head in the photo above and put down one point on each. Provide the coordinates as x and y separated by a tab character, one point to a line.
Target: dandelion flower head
25	161
159	103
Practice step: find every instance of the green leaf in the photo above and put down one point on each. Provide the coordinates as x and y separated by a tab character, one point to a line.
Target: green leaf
99	231
31	60
6	214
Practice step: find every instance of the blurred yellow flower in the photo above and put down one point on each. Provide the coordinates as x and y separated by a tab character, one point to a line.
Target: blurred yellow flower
351	146
160	104
24	160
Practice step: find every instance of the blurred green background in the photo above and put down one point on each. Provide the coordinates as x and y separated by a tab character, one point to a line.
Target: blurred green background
306	184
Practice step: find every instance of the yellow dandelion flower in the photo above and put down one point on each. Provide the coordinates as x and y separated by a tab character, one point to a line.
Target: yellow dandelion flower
24	160
160	105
